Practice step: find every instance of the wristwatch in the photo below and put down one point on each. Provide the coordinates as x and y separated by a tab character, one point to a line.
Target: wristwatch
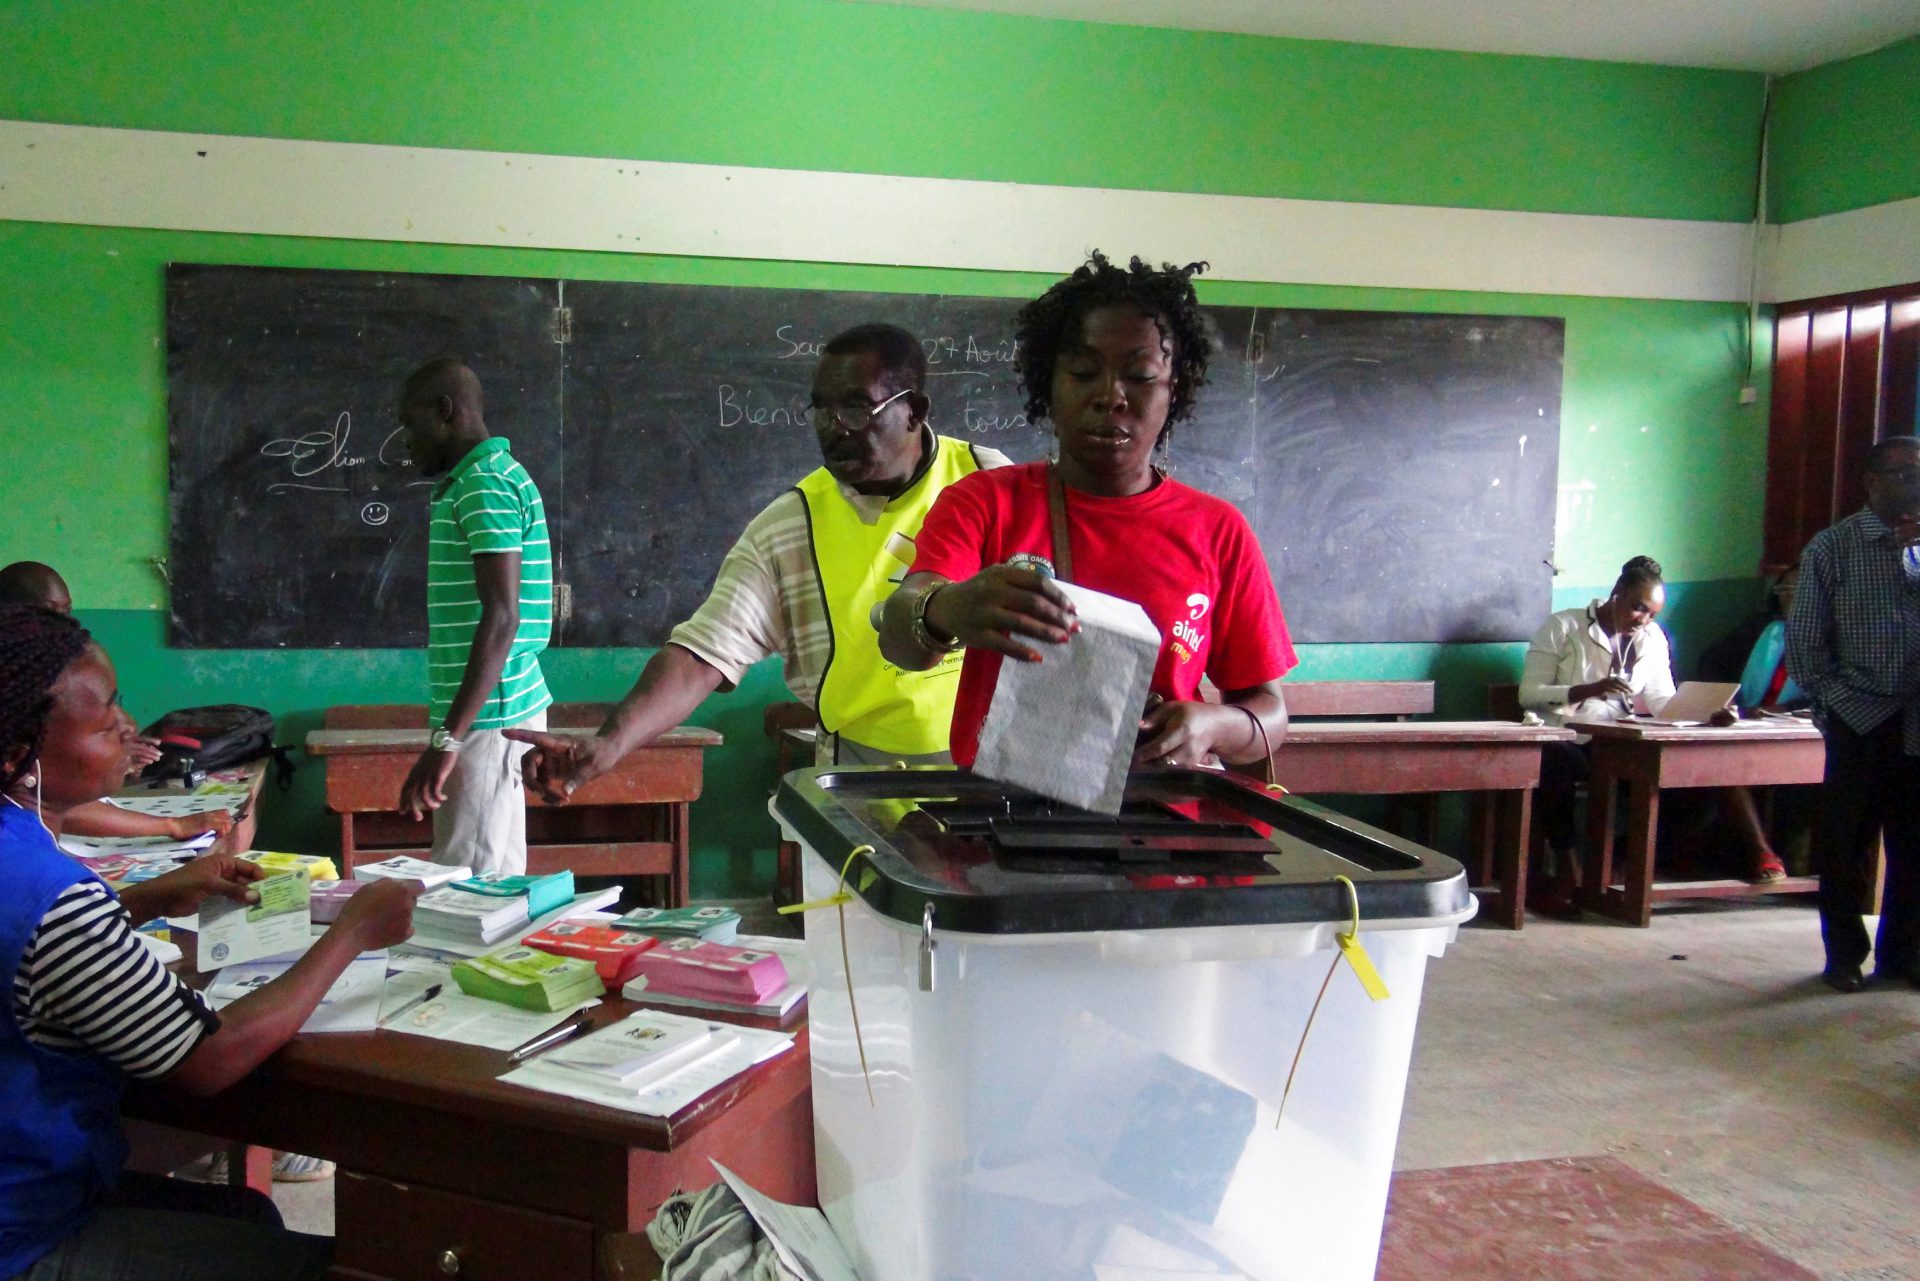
442	741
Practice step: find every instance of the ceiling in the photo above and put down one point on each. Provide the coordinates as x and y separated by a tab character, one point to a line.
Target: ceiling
1750	35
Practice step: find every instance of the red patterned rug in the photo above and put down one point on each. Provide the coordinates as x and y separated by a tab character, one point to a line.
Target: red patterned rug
1572	1219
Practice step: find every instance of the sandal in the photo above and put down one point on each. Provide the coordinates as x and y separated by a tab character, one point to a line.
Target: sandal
1768	870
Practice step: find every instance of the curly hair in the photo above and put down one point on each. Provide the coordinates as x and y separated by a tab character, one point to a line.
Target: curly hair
36	645
1165	296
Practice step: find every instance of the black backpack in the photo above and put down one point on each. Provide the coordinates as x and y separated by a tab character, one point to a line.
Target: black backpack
198	739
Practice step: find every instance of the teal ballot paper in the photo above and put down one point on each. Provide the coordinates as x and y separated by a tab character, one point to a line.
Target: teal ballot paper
233	932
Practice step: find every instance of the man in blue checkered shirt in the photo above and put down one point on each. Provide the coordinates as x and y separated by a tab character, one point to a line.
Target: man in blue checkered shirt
1853	643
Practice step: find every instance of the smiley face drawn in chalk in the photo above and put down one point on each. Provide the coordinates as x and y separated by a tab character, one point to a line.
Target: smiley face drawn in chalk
375	514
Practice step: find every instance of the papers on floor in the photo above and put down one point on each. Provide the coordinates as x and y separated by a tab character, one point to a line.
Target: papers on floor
352	1004
402	868
792	954
663	1098
529	978
454	1016
713	923
230	933
800	1234
1065	727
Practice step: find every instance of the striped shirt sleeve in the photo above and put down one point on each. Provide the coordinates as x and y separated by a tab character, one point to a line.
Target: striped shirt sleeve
491	512
87	985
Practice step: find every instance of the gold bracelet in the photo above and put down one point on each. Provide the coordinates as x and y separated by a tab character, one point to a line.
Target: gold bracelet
923	634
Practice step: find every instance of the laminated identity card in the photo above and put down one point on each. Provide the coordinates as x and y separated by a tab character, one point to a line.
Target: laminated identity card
233	932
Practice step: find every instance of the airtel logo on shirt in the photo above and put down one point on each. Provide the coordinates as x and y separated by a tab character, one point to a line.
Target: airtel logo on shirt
1188	638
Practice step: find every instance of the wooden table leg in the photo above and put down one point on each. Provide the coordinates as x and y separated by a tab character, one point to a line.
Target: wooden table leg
1597	869
1516	838
678	886
1483	838
1643	822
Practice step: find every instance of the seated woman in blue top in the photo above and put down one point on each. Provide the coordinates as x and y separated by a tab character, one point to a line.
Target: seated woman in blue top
87	1006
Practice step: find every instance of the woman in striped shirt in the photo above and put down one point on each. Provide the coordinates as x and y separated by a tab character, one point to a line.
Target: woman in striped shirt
88	1006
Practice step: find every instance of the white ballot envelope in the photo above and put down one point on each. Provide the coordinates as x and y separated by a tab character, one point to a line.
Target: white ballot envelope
1065	727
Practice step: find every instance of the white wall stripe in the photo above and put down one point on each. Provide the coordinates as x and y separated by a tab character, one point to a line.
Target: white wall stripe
1867	248
357	191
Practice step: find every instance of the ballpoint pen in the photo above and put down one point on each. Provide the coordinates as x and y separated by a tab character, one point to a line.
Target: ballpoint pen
554	1037
408	1004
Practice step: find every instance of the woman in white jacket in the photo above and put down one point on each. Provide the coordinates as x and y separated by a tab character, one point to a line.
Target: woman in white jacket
1591	663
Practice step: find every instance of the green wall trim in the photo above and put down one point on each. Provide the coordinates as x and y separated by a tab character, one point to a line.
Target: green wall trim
811	84
1846	135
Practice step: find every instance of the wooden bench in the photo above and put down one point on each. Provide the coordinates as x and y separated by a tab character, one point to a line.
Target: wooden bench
631	821
1374	700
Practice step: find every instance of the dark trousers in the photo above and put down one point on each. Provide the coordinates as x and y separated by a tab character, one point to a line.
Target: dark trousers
157	1229
1563	767
1871	787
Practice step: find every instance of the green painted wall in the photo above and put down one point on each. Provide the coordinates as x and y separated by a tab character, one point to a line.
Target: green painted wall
1846	135
1649	417
811	84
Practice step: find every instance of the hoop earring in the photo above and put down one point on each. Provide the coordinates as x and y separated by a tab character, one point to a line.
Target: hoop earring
1163	453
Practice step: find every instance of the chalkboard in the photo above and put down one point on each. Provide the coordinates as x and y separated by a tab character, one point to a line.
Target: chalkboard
1399	469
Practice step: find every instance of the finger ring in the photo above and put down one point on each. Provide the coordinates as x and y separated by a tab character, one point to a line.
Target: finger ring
1166	760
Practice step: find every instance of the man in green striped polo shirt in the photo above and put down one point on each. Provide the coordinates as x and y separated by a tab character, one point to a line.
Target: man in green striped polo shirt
489	614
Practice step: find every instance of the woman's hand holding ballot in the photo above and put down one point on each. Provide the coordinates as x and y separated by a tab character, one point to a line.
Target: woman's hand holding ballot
997	606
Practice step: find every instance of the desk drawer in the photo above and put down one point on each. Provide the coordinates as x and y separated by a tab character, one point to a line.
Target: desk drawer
406	1232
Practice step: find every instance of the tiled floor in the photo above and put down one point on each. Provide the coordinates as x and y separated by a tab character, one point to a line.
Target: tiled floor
1701	1054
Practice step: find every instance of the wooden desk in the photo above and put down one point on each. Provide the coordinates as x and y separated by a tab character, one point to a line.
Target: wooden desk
1398	699
438	1156
1498	762
631	821
240	836
1647	758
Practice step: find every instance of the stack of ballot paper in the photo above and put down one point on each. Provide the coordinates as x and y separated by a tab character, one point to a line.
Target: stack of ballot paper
529	978
643	1049
793	956
402	868
733	1052
540	894
329	897
615	953
711	971
1066	726
314	867
715	924
448	914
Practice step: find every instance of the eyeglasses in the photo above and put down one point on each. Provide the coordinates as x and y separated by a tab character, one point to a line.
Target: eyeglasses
853	417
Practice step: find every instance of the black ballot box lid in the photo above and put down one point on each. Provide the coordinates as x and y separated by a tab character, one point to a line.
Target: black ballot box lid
1190	848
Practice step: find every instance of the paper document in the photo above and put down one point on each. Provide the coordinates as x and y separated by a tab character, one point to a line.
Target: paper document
1066	726
753	1046
800	1234
180	804
145	848
231	932
455	1016
352	1004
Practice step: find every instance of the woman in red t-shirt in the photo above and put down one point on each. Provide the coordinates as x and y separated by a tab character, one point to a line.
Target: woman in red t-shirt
1113	357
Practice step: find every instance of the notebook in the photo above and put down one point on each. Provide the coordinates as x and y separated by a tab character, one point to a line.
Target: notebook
1694	703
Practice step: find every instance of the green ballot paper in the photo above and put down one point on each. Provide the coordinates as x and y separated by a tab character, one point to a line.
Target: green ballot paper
529	979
